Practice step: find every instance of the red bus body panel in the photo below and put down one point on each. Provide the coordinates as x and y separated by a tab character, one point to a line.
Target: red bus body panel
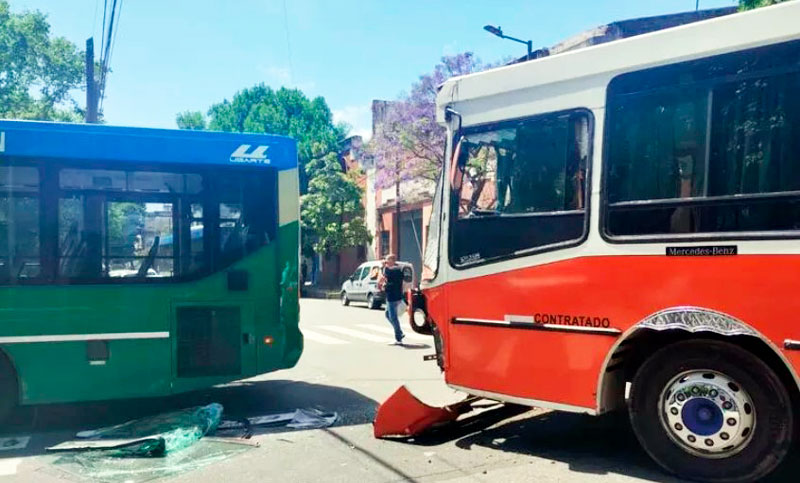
560	367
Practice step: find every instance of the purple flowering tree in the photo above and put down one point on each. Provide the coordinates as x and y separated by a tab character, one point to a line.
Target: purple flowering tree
408	144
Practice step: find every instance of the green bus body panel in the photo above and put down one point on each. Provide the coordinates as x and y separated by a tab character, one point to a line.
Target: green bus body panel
50	372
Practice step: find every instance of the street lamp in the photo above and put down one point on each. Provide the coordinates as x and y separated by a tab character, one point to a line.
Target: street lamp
499	32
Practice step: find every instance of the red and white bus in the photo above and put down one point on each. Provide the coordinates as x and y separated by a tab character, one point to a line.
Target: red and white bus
620	225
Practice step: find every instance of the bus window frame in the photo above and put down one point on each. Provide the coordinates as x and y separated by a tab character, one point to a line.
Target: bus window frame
50	192
709	83
451	210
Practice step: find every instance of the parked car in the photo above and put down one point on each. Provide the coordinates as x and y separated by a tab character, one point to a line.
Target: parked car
362	286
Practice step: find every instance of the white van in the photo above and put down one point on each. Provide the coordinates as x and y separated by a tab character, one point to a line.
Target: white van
362	286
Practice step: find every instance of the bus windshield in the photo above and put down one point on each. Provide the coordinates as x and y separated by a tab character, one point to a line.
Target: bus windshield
430	260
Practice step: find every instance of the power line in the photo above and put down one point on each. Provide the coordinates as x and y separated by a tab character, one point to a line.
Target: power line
94	22
112	43
109	42
103	34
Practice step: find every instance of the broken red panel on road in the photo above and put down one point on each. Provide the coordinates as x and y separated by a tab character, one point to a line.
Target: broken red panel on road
402	414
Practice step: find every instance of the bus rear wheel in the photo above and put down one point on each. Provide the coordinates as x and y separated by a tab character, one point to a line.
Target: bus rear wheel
711	411
9	391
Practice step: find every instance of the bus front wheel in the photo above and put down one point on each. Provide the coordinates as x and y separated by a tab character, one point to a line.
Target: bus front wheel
711	411
9	391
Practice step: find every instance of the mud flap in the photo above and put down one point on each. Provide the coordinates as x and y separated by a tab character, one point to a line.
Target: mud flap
405	415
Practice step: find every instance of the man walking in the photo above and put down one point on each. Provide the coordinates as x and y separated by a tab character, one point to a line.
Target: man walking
391	282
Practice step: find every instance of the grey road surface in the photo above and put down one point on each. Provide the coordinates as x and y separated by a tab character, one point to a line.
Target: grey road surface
348	367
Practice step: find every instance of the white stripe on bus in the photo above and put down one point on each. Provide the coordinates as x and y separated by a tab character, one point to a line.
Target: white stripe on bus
321	338
27	339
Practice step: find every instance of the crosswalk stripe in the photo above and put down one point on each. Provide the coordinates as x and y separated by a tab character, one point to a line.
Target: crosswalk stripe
322	338
390	331
354	333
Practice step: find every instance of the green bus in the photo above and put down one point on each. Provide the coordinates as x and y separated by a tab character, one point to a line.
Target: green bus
143	262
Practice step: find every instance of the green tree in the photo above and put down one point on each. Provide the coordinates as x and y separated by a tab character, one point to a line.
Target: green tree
751	4
192	120
37	71
331	213
260	109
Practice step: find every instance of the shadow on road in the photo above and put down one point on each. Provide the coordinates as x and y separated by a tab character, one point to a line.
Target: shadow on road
52	424
592	445
412	346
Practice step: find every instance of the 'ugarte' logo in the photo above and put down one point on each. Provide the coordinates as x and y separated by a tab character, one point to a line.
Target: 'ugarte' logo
244	155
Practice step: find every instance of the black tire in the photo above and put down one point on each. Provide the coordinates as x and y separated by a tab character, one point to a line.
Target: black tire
772	431
371	302
9	389
345	299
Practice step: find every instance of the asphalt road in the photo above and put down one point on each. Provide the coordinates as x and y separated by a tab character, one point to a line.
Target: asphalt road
348	367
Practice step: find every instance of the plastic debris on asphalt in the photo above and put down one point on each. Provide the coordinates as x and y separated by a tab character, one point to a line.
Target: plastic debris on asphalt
297	419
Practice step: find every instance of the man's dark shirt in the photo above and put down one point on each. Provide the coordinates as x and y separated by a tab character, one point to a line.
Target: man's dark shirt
394	283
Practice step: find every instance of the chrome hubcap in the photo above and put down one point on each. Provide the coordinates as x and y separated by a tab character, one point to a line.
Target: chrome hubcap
707	413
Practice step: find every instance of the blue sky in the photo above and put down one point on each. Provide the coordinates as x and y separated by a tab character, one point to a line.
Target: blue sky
176	55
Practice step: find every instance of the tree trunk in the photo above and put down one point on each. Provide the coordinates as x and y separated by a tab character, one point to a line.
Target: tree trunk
397	217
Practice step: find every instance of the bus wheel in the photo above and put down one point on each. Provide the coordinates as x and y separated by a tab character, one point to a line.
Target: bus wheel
345	300
9	391
711	411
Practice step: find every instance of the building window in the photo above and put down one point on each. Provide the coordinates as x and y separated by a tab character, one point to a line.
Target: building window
385	243
709	146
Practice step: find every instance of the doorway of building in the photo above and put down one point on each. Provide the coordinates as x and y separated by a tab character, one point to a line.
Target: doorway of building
411	240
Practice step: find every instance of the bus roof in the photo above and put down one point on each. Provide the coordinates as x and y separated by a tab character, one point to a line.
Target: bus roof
112	144
591	68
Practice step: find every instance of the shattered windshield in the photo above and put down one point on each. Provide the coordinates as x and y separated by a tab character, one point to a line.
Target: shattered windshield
430	262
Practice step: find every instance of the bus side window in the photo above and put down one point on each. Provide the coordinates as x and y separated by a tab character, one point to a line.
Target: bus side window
712	146
247	214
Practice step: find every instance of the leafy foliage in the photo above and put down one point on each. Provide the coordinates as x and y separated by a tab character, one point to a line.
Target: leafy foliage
331	213
260	109
409	144
125	221
37	71
192	120
751	4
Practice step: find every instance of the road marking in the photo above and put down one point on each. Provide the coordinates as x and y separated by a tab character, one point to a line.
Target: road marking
8	467
14	442
390	331
354	333
321	338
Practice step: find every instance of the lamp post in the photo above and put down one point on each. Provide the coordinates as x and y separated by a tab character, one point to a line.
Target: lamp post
499	32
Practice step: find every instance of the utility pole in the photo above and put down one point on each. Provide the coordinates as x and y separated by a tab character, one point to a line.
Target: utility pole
91	89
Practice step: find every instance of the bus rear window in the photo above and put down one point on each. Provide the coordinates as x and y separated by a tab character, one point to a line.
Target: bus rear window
100	225
19	224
